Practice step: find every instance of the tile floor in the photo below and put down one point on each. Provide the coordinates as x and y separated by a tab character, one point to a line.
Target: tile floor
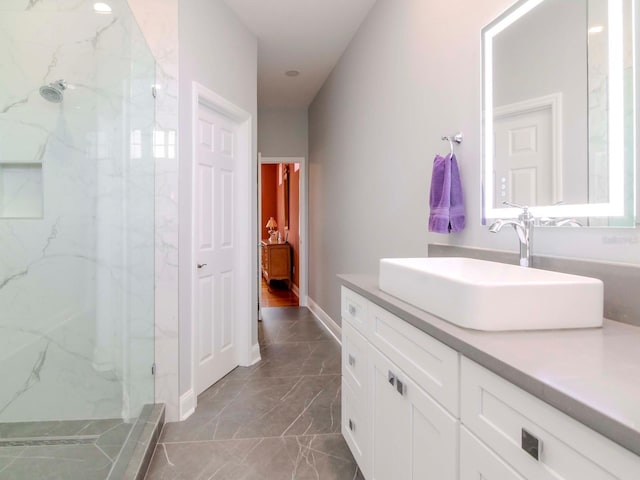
66	450
279	419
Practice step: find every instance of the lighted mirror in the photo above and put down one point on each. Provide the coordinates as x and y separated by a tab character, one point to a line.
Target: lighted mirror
559	112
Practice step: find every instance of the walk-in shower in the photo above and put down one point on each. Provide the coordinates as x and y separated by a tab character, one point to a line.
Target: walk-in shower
77	184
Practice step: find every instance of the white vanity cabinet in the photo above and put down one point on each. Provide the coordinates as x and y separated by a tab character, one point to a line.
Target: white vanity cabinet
412	436
413	408
535	439
477	461
393	426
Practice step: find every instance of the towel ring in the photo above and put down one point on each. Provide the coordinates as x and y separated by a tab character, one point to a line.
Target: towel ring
455	138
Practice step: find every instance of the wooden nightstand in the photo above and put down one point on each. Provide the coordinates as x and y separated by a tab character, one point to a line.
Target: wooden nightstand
276	261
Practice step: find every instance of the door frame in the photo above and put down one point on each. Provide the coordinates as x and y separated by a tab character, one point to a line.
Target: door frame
304	222
245	283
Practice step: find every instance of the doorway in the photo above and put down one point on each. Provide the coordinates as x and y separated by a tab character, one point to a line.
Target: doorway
282	226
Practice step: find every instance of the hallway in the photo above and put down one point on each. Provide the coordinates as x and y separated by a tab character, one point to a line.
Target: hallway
279	419
278	294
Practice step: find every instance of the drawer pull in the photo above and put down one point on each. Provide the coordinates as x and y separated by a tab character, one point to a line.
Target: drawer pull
352	360
352	425
392	378
531	444
352	310
401	387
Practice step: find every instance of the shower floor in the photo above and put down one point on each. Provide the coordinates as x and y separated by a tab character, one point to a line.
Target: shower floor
69	450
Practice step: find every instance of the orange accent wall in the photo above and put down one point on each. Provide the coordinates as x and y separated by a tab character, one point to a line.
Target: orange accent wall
294	220
269	196
273	205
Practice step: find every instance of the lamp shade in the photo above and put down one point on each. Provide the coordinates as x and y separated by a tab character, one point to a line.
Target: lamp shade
271	224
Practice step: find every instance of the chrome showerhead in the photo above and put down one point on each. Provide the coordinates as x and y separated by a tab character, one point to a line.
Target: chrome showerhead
54	92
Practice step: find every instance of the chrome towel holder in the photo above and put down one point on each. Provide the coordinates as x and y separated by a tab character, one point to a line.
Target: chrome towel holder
457	138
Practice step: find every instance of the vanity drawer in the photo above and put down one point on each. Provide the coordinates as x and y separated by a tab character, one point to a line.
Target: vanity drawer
429	362
355	310
478	462
354	359
499	413
355	427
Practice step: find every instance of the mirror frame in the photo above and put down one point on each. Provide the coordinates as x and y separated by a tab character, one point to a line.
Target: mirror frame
615	207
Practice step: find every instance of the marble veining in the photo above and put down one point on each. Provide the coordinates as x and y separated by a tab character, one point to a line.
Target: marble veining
76	283
280	418
158	20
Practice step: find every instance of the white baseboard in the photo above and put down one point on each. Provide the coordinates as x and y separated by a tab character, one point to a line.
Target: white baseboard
255	354
332	327
187	404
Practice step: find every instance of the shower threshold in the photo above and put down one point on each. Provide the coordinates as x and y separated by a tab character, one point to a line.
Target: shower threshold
108	449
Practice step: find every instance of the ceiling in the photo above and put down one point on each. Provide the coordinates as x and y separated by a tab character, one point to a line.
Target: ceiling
304	35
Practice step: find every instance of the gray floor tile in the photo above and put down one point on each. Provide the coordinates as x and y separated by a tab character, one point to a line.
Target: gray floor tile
290	324
65	462
307	457
279	419
301	358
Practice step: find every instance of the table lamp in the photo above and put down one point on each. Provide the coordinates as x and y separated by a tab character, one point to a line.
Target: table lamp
271	227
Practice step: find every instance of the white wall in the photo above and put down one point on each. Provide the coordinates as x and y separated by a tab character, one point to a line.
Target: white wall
217	51
411	74
283	132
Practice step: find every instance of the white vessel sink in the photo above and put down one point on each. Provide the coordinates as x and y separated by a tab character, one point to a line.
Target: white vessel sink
493	296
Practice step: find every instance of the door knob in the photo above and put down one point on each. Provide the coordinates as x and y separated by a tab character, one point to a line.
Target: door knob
200	265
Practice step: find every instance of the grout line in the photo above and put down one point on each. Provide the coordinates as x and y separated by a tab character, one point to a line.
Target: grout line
252	438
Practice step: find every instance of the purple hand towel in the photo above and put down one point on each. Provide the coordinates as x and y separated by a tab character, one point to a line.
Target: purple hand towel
446	198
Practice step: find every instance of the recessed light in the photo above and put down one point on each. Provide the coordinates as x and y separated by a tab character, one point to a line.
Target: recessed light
102	8
292	73
596	29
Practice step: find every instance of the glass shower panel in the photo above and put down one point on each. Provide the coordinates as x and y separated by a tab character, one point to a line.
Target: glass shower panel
76	215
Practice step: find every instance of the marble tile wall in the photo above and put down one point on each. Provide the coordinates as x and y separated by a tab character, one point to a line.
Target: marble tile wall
158	20
76	289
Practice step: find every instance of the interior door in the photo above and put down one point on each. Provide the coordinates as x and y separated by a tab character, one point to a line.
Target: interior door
215	294
524	160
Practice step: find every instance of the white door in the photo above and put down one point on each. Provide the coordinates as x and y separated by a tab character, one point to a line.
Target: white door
216	249
414	438
524	162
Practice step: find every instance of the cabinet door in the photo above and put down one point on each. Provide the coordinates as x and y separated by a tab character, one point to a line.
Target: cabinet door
356	428
477	461
413	436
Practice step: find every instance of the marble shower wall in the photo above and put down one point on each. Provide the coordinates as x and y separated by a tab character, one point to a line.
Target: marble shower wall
76	237
158	20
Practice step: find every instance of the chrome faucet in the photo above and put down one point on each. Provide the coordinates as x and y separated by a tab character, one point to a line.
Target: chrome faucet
523	227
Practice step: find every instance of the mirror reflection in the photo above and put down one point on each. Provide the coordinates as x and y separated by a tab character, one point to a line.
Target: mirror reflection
559	111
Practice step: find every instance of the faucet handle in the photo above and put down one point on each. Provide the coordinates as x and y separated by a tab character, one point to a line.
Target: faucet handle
525	215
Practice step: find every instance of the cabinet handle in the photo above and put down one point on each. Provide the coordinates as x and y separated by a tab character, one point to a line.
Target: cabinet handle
392	378
401	387
352	310
352	360
352	425
531	444
200	265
